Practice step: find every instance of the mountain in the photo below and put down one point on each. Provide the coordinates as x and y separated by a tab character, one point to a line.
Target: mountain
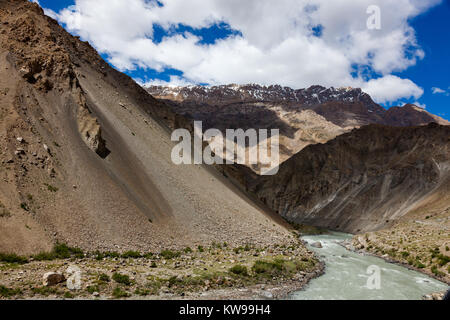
85	156
361	181
305	116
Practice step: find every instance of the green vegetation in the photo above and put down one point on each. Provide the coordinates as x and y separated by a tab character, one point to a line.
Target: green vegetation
8	292
437	272
12	258
239	270
25	206
60	251
44	291
101	255
405	254
169	254
120	293
51	188
92	289
132	255
104	278
200	249
279	267
122	279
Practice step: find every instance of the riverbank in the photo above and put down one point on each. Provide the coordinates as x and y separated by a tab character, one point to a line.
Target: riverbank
348	275
421	245
355	246
215	272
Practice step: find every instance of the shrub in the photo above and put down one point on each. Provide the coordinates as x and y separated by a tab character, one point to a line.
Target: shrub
436	272
168	254
63	251
420	265
60	251
92	289
51	188
12	258
239	270
44	291
8	292
120	293
142	292
443	260
122	278
104	277
131	254
24	206
266	267
187	250
200	249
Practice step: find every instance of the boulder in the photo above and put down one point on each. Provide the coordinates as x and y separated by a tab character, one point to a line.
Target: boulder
317	244
52	279
267	294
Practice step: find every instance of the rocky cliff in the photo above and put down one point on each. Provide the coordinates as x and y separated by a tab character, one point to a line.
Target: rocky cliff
363	180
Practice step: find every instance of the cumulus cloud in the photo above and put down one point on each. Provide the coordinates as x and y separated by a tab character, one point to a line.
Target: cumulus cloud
276	42
392	88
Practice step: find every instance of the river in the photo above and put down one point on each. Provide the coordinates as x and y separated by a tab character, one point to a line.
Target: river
346	276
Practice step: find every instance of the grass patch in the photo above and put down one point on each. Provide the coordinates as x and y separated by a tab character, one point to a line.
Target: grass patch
119	293
122	279
104	277
8	292
239	270
92	289
169	254
44	291
131	255
12	258
60	251
279	267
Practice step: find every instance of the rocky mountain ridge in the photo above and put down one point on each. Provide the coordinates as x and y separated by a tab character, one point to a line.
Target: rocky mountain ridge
304	117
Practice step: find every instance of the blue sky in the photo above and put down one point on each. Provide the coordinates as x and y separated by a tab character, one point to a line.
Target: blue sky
210	42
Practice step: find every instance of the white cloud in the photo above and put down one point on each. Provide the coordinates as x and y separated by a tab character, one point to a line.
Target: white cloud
420	105
275	45
392	88
437	90
174	81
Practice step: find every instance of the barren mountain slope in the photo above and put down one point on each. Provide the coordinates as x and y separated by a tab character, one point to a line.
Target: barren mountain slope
304	116
85	160
420	239
361	181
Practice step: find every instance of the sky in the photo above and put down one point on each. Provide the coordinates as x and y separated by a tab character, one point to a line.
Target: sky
397	51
